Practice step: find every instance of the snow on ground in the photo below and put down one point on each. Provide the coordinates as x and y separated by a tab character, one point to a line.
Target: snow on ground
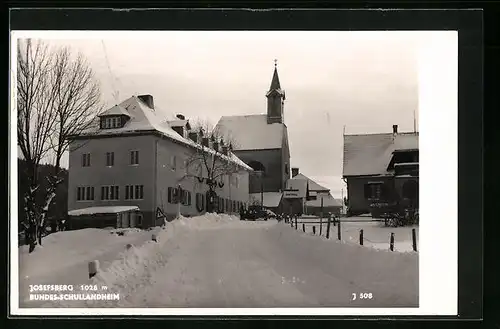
375	234
217	261
64	256
220	261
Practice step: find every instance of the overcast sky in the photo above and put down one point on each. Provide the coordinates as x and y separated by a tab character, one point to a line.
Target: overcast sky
365	81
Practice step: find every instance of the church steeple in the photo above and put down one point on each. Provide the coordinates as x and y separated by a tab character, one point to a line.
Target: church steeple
275	83
275	99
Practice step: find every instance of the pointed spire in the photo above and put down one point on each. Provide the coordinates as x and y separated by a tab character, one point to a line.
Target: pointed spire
275	83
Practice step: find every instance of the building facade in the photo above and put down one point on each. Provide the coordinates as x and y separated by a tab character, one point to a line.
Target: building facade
261	141
381	168
304	196
132	156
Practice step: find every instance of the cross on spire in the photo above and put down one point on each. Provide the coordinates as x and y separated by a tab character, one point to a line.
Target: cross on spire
275	62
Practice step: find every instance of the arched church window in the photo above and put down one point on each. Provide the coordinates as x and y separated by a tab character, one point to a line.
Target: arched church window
257	166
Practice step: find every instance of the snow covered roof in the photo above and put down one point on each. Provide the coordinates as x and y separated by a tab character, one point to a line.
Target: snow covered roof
328	201
101	210
313	186
145	119
370	154
251	132
271	199
177	123
115	110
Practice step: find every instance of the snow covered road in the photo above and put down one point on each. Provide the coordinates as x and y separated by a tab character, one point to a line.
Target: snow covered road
269	264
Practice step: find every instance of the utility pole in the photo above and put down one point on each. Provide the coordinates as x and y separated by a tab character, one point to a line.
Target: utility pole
262	190
414	121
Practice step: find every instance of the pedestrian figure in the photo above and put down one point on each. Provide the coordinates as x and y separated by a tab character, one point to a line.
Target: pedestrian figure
242	213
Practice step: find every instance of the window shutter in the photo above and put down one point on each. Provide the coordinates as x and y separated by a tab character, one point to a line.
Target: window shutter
367	191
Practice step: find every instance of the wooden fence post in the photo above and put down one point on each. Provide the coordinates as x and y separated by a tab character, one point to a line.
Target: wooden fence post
338	232
414	238
295	222
321	218
314	230
334	221
93	268
391	246
303	227
154	238
328	228
361	237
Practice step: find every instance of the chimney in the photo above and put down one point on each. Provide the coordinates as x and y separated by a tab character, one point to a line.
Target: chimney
180	117
204	141
193	136
394	129
148	100
295	172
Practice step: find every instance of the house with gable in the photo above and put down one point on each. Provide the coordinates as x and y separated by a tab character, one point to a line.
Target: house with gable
261	141
380	168
303	195
129	166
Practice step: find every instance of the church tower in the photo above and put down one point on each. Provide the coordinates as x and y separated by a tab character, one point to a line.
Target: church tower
275	99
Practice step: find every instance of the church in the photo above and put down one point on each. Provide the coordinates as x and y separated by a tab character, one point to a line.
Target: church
261	141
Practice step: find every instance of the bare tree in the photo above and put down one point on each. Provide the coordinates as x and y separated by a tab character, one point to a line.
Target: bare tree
35	121
212	160
77	100
55	98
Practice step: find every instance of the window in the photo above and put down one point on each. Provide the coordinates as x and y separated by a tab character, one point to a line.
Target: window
134	192
85	193
134	157
237	181
223	205
173	162
110	159
228	209
373	191
110	122
234	206
86	160
169	195
110	192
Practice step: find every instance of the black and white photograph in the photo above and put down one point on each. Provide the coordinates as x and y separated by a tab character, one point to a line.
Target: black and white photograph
229	170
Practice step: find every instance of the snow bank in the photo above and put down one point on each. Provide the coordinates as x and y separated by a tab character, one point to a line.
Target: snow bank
136	264
63	249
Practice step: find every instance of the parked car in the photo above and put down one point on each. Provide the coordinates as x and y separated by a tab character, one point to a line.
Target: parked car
256	212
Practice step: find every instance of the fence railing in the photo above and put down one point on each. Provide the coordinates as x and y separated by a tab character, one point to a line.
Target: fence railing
294	222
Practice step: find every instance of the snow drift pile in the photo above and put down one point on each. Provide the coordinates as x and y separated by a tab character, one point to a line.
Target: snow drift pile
135	264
